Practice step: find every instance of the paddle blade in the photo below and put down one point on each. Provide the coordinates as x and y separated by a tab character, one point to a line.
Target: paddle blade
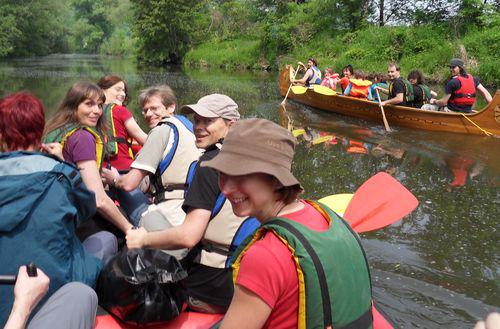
337	202
298	132
323	90
297	90
379	202
322	139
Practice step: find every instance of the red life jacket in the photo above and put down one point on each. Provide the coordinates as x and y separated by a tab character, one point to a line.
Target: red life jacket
466	94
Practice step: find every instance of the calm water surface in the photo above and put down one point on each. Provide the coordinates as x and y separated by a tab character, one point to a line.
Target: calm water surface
438	267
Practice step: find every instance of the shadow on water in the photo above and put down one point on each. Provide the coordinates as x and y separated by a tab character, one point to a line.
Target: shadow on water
439	266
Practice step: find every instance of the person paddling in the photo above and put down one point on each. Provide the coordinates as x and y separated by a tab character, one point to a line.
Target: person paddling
312	75
459	92
303	255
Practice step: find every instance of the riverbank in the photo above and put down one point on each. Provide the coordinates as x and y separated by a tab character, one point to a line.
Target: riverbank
428	48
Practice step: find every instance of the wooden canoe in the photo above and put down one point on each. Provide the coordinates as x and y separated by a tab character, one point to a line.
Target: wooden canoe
488	118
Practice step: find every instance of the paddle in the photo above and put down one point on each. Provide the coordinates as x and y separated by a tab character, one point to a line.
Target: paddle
386	124
324	90
378	202
297	90
291	83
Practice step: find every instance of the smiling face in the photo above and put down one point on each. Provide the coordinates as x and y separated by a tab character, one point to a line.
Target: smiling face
89	111
455	70
154	111
208	131
392	72
115	93
251	195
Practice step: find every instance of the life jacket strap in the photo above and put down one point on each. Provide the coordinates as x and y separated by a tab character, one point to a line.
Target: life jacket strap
160	196
209	247
465	95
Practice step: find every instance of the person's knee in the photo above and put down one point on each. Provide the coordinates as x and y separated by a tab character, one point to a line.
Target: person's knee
82	293
102	245
154	221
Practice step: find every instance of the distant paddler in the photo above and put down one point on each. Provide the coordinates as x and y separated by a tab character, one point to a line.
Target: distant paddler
312	75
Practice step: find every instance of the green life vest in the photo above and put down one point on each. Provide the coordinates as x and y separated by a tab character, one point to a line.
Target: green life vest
408	93
112	140
333	273
426	92
61	134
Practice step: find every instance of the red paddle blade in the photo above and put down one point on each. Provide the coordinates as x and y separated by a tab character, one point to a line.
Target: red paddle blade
379	202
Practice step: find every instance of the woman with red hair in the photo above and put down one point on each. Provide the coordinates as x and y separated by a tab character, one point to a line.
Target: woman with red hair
41	200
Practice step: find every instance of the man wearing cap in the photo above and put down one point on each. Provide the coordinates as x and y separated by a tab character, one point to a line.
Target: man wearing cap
165	158
210	230
460	91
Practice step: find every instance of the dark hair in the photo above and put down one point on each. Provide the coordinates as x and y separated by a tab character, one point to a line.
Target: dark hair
22	121
349	68
462	71
416	74
109	81
166	94
329	70
313	60
77	94
395	65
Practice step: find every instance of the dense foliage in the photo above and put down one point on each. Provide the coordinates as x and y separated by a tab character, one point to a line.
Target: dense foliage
261	34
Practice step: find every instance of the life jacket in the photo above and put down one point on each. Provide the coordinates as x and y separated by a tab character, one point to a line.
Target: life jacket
170	179
333	273
426	94
356	147
359	88
408	90
111	138
42	200
315	79
61	134
225	230
466	94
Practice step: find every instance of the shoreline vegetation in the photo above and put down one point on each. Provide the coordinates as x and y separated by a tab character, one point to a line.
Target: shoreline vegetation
264	34
370	50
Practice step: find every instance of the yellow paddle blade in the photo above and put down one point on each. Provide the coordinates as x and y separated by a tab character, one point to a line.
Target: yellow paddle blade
298	132
297	90
337	202
323	90
322	139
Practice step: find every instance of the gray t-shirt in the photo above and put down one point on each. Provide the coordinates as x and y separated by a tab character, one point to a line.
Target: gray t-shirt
152	151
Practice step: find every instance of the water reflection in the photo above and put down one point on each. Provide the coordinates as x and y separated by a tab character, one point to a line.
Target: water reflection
438	267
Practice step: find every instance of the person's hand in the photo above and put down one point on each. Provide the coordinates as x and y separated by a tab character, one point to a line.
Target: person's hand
54	149
108	175
492	322
28	291
432	101
136	238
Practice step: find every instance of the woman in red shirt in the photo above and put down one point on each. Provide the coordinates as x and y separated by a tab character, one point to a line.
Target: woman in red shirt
123	127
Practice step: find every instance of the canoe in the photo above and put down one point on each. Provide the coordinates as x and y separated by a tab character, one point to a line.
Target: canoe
488	118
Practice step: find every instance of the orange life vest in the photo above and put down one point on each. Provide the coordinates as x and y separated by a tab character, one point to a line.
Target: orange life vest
359	88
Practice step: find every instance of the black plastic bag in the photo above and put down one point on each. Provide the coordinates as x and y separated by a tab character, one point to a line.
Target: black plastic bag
142	286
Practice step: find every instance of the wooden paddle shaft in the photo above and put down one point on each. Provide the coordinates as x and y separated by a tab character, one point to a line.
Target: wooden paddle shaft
291	83
386	124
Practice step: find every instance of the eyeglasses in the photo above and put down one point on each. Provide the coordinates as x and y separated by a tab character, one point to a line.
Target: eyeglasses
154	109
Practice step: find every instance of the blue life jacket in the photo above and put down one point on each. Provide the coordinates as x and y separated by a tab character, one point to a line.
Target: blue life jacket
41	202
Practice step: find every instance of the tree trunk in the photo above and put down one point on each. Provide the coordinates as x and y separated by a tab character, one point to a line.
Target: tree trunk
381	13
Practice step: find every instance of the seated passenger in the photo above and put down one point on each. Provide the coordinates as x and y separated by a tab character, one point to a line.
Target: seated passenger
166	158
347	73
312	75
277	285
42	199
421	93
399	88
460	91
79	126
358	86
330	80
123	127
379	80
210	224
73	306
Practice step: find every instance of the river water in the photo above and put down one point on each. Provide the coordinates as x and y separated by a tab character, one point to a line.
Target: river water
438	267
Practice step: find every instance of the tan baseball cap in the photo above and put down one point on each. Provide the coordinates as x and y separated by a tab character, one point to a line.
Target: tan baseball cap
214	106
257	146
